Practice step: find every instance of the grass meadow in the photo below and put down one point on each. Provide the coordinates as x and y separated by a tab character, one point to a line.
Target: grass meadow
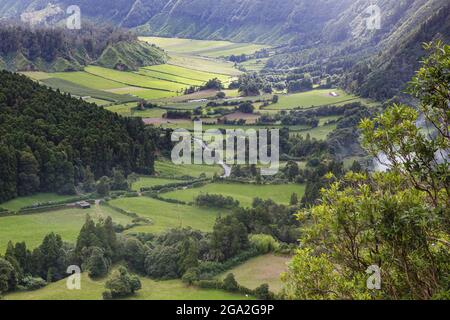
313	98
32	228
166	215
263	269
151	290
169	169
244	193
206	48
21	202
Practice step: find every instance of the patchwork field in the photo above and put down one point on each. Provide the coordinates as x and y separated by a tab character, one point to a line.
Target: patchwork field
203	64
259	270
166	215
81	91
134	79
32	228
184	74
244	193
151	290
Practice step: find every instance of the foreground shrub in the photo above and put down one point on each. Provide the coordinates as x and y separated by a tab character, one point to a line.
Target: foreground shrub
263	292
121	284
230	283
32	283
264	243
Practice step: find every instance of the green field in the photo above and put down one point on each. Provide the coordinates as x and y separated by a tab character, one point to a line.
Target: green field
145	181
148	94
206	48
259	270
151	290
319	133
134	79
242	192
122	109
87	80
32	228
254	65
166	215
18	203
204	64
183	74
168	169
311	98
104	86
170	77
81	91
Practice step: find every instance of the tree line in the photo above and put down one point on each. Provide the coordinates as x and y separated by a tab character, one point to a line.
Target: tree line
51	142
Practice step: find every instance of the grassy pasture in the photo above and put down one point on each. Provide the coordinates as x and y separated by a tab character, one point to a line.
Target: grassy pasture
122	109
254	65
166	215
151	94
259	270
145	181
231	49
149	113
311	98
81	91
87	80
207	48
204	64
98	102
186	73
19	203
182	45
32	228
168	169
169	77
151	290
242	192
134	79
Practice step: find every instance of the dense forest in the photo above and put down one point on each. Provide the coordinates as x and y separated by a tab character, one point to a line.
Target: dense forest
48	140
44	49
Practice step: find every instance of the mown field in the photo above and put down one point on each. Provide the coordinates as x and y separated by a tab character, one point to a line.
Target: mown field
313	98
166	215
32	228
206	48
204	64
259	270
244	193
183	74
151	290
20	202
168	169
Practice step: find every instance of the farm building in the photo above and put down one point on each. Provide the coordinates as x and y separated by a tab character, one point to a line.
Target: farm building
83	205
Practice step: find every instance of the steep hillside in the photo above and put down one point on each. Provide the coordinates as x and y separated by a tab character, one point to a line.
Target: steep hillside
55	50
237	20
385	75
323	37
